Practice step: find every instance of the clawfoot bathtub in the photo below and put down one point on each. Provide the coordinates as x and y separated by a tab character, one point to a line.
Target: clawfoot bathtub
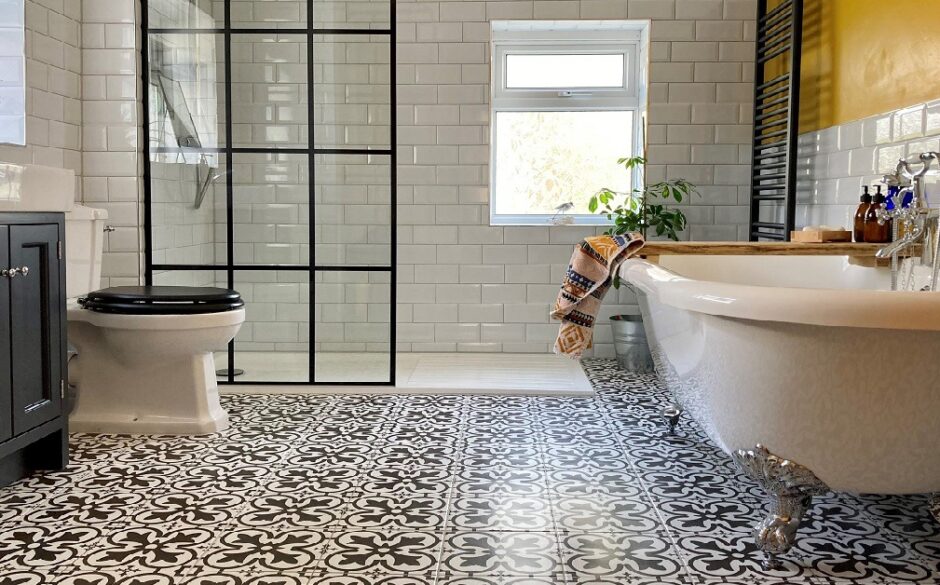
807	370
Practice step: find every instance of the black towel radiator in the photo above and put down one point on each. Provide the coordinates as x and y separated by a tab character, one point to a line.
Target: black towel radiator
776	119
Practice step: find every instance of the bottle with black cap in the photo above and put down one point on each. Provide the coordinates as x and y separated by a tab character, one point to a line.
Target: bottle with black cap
859	228
877	233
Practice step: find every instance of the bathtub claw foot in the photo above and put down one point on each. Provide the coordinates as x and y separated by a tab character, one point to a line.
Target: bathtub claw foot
790	488
771	562
672	413
935	506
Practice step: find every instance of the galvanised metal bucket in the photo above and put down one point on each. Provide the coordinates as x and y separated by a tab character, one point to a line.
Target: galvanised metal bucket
633	351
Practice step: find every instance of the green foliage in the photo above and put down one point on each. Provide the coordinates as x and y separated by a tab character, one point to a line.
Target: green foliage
643	209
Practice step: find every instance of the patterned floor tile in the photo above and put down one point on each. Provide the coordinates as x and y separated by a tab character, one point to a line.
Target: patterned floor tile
449	579
396	512
384	579
44	548
242	549
490	553
620	556
511	513
253	578
500	481
439	490
370	552
598	514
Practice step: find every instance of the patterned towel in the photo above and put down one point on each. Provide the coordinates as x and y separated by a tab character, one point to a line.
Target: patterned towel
594	263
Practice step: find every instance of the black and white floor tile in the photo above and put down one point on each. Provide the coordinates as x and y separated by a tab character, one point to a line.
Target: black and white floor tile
443	490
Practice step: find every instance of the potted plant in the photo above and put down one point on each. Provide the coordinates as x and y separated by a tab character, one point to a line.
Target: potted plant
640	210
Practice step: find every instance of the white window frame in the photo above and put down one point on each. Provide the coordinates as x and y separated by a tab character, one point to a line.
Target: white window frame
627	37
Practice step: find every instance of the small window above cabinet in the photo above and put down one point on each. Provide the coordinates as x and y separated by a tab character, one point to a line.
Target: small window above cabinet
12	73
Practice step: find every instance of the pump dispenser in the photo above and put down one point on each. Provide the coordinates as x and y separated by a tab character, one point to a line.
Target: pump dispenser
859	227
877	233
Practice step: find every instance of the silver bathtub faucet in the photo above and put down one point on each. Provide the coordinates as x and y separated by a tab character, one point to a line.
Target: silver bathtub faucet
914	224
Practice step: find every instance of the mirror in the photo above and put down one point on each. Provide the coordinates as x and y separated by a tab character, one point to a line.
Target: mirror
12	73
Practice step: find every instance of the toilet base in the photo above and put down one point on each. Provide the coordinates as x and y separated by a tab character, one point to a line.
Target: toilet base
148	425
172	397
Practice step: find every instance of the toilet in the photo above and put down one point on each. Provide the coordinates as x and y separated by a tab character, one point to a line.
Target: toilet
144	362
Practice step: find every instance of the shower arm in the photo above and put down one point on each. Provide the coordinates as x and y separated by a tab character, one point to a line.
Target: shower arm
186	137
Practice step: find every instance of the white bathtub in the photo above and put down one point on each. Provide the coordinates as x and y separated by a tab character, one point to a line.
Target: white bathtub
811	357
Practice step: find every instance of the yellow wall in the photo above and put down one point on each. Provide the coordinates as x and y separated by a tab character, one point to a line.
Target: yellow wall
865	57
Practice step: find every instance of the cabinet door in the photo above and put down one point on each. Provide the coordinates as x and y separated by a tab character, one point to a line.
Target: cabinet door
35	325
6	393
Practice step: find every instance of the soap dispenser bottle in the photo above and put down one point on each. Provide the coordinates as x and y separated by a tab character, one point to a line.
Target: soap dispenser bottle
859	228
877	233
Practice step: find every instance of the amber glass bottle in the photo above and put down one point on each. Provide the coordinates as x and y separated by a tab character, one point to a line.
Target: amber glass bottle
876	233
859	231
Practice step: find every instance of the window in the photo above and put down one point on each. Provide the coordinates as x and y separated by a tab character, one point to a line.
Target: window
567	103
12	73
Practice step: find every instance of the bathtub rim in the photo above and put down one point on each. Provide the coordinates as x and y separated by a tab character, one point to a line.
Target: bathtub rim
872	309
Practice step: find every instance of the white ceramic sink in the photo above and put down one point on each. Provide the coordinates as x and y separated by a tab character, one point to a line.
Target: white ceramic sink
36	188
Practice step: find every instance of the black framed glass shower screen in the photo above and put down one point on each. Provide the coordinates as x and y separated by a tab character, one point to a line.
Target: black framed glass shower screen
271	169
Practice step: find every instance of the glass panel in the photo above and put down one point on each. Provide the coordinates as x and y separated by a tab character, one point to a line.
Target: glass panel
187	95
188	203
269	93
353	213
185	14
546	159
187	278
271	207
560	71
273	343
352	95
351	334
269	14
372	14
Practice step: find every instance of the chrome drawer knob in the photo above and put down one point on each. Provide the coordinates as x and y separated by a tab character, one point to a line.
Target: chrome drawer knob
12	272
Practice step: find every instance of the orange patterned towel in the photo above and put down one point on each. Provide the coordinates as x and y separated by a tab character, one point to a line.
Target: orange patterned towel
593	265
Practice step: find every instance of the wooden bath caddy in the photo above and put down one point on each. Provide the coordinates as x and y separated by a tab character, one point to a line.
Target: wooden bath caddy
820	236
761	248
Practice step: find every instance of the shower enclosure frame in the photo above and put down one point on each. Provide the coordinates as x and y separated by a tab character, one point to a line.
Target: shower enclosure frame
311	151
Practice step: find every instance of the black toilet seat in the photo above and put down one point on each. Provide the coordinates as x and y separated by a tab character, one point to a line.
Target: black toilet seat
162	300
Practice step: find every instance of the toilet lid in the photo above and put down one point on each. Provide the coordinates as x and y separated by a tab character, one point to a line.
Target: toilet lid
162	300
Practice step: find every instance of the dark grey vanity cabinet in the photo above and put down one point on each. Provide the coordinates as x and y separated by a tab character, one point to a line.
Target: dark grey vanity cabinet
32	344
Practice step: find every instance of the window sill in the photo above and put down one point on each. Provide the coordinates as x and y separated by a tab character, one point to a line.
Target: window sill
550	220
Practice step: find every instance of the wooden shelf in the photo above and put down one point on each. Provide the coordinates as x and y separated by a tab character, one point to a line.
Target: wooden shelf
760	248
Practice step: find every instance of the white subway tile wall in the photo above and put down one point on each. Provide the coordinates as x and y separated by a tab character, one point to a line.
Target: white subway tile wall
835	163
463	285
110	115
467	286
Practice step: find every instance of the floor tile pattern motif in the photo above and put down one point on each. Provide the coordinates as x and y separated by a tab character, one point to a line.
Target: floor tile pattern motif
447	490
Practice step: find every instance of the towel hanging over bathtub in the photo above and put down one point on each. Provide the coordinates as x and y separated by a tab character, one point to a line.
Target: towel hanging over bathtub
590	274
